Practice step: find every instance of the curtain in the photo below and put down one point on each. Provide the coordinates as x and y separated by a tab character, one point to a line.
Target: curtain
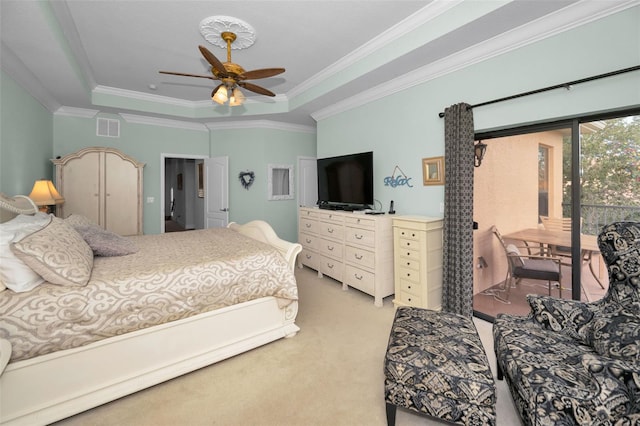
457	291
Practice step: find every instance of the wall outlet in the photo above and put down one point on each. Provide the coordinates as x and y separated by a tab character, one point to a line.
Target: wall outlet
150	200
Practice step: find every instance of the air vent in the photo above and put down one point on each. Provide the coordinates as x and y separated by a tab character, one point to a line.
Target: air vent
108	128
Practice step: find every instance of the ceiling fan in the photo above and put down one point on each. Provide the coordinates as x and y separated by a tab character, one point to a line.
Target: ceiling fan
231	75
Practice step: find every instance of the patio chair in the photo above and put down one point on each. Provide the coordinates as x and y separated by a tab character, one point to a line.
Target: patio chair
534	267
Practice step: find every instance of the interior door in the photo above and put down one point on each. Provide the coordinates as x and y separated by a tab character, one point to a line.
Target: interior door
216	192
307	181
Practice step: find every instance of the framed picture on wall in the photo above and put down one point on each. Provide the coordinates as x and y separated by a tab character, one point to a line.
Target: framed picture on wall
433	171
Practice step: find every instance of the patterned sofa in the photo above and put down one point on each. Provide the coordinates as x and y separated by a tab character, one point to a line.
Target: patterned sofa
575	363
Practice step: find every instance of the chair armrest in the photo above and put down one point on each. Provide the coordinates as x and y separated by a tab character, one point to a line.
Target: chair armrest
570	317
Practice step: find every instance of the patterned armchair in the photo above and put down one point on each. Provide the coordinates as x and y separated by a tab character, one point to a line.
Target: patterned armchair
575	363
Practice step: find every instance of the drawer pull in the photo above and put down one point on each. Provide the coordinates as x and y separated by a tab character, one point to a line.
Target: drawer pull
402	233
358	237
408	253
308	256
408	275
413	235
408	244
330	265
330	248
330	230
408	263
359	257
308	225
358	277
308	241
409	299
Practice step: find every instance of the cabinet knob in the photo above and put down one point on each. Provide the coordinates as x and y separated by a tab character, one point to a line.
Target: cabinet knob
408	275
308	241
409	287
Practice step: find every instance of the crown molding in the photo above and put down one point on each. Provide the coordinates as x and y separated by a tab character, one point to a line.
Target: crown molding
568	18
391	35
261	124
68	111
18	71
163	122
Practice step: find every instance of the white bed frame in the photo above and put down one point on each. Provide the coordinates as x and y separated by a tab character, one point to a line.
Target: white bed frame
57	385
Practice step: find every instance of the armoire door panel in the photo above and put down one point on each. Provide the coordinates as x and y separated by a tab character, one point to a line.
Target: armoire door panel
82	199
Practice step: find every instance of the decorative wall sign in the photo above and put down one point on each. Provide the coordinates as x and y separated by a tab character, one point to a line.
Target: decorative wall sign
399	179
433	171
246	179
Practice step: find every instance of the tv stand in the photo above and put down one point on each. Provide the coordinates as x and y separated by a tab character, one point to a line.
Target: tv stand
355	249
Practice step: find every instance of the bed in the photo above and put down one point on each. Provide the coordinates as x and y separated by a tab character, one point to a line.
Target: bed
61	374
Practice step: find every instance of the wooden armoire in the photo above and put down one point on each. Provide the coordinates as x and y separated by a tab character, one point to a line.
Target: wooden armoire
104	185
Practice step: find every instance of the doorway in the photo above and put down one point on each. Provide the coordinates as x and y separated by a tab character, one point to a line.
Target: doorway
182	202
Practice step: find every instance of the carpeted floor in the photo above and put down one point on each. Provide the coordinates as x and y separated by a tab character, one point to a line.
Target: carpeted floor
330	373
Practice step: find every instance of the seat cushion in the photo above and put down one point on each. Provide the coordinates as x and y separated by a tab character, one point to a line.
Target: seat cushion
557	380
436	364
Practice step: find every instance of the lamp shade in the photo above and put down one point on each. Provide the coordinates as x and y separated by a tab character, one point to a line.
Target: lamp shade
44	193
237	97
220	95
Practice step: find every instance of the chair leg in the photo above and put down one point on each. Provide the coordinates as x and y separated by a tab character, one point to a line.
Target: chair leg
391	414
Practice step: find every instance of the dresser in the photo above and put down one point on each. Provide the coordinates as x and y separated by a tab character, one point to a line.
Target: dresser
104	185
417	243
353	248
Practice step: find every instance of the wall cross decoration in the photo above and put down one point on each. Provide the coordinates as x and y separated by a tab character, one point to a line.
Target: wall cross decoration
246	179
400	179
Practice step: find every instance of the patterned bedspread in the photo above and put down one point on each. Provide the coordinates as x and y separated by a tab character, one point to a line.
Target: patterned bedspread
172	276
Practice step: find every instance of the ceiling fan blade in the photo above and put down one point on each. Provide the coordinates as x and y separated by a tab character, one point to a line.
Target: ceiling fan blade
215	63
188	75
257	89
261	73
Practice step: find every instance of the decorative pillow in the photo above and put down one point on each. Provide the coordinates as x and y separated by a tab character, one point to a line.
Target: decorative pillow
78	220
617	336
571	317
105	243
58	253
14	274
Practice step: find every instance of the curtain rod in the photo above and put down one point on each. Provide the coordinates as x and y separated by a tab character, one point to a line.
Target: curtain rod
566	85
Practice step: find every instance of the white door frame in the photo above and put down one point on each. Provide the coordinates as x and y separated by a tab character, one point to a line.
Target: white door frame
163	157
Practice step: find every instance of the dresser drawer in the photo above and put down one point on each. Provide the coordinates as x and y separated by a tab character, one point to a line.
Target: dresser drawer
330	248
409	299
360	222
410	287
409	274
413	255
311	214
360	257
405	262
331	217
409	234
406	243
308	225
360	279
365	237
310	258
331	230
331	267
308	240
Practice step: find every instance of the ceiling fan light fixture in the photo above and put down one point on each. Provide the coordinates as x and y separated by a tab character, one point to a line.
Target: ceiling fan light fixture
220	95
237	98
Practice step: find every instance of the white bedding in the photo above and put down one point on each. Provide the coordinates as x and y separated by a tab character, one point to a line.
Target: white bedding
172	276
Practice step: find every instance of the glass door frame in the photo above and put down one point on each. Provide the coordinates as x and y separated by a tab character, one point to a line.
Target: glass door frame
572	123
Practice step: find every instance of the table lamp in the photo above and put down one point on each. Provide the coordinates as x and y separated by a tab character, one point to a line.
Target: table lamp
44	194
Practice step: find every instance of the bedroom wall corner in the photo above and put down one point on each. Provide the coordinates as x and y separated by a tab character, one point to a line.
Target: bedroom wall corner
26	129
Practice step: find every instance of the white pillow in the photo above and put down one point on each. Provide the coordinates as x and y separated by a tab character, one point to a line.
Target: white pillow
14	273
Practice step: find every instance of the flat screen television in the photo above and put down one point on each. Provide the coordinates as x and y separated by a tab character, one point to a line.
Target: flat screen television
346	182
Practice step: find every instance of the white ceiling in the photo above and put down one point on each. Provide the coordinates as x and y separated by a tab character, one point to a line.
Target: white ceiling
73	53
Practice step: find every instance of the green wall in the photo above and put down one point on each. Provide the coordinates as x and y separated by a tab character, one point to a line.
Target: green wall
253	150
403	128
25	139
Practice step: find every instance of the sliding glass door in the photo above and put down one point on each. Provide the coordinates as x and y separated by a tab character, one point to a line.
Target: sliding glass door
525	190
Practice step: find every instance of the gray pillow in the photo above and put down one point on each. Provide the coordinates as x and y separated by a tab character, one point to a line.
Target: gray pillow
105	243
